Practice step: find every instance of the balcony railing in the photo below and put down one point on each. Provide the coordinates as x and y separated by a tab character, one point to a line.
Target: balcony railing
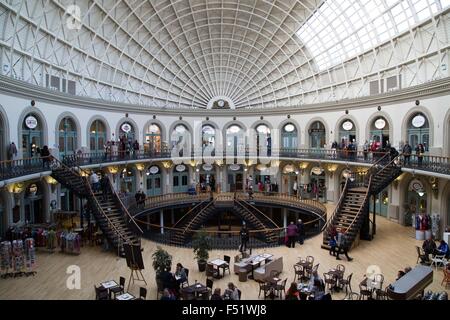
22	167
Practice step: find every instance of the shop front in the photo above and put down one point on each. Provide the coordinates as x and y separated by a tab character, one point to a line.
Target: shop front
127	181
153	178
34	204
207	178
32	136
235	174
180	179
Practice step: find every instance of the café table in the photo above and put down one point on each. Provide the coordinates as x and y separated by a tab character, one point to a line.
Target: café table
218	263
196	289
109	285
126	296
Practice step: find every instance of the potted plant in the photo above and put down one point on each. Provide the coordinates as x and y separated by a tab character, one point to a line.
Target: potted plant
162	260
201	247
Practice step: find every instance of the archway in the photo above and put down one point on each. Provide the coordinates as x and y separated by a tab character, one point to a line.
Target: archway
289	137
67	136
32	132
317	135
97	136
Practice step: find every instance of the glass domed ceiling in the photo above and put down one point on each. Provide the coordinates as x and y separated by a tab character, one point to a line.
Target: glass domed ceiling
188	53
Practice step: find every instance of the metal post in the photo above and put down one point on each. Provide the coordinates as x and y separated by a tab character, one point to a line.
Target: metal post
374	215
161	220
81	213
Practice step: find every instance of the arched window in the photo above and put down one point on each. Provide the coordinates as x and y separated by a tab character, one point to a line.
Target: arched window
153	139
180	139
235	141
67	136
379	133
208	139
127	132
289	137
180	179
32	136
263	140
419	130
317	135
97	136
347	133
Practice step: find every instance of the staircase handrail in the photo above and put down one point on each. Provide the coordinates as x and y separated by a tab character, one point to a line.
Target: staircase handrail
256	209
338	206
389	164
190	211
363	204
100	209
122	206
201	211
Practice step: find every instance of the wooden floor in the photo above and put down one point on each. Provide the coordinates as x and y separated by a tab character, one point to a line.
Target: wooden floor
392	249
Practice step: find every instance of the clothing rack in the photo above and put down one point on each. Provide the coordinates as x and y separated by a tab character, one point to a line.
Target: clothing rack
17	258
70	242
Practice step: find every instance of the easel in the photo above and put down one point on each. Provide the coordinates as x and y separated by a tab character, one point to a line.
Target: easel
135	262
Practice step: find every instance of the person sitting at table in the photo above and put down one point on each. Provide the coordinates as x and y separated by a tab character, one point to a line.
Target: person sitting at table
216	295
293	293
400	274
168	280
429	247
180	274
167	296
407	269
442	249
314	276
318	290
231	293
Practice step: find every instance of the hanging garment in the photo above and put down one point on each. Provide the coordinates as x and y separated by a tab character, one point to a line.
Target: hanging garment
30	254
6	262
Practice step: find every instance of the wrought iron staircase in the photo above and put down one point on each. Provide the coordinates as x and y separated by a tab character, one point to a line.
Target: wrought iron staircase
352	211
109	212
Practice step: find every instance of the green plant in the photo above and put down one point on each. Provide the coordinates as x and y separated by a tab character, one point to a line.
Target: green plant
162	260
201	246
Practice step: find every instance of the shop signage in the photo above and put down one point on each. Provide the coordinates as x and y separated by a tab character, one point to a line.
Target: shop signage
154	170
347	125
418	121
180	168
289	128
235	167
380	124
31	122
207	167
317	171
126	127
416	185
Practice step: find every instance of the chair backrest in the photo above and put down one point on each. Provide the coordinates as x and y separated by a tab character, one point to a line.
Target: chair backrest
209	270
239	294
379	278
122	282
209	283
310	259
297	268
316	267
186	270
227	259
341	268
418	251
142	293
349	278
284	283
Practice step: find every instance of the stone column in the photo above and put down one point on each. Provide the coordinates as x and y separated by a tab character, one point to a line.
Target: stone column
161	220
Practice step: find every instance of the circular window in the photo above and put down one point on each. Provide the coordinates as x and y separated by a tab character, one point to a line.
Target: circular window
289	127
263	129
347	125
418	121
31	122
153	129
234	129
380	124
180	168
221	103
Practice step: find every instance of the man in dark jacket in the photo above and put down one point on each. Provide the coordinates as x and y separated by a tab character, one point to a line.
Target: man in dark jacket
244	238
407	150
301	231
343	245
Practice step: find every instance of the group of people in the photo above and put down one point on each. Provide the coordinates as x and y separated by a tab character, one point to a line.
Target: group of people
294	233
123	148
316	288
429	248
230	293
407	152
140	199
171	282
339	243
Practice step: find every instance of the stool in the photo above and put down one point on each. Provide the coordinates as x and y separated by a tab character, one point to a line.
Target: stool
242	275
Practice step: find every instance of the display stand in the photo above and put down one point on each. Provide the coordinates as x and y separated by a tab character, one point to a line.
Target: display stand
30	257
6	260
135	262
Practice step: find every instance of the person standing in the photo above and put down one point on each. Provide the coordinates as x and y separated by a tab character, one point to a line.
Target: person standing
301	231
420	150
94	181
407	150
366	150
12	151
295	188
292	234
244	238
343	245
45	155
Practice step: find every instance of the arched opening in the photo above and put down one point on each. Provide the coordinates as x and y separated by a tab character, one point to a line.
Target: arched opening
317	135
235	173
235	141
180	140
289	136
416	201
180	179
379	134
127	181
34	204
347	133
32	136
289	178
317	186
153	181
263	140
153	140
418	130
3	216
2	138
207	176
97	136
208	140
127	133
67	136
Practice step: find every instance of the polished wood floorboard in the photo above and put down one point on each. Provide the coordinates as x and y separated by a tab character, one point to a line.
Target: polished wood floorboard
392	249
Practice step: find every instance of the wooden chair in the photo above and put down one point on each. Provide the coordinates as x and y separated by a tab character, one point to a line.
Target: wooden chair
142	293
352	296
101	293
446	279
364	291
381	294
330	280
280	289
209	284
298	272
422	257
265	288
347	284
211	271
227	259
119	289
